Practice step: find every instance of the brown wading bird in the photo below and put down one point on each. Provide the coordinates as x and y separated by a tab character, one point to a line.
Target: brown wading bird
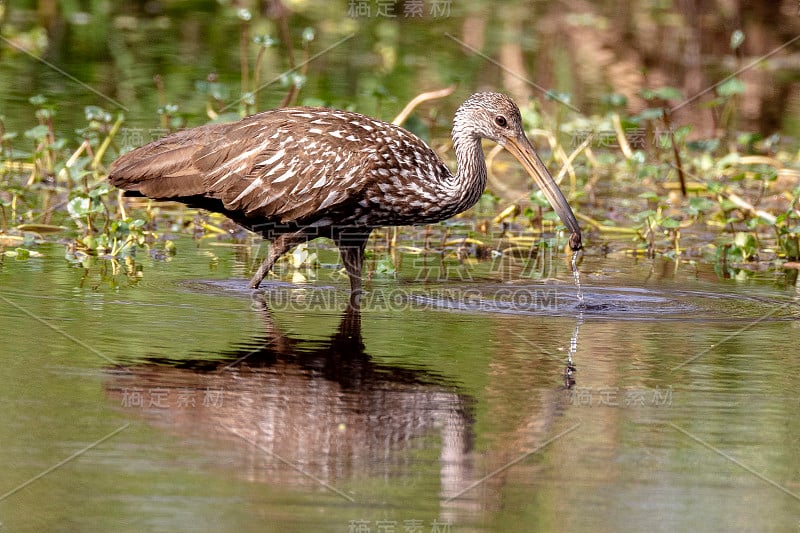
295	174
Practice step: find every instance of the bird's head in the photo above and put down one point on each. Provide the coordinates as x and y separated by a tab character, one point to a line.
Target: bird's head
496	117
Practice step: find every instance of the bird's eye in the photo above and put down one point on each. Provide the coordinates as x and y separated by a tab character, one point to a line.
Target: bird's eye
500	120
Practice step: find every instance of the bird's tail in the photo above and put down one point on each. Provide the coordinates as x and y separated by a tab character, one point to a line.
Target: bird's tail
160	170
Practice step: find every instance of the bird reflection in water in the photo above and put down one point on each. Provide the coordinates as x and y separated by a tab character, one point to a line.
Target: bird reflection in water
304	413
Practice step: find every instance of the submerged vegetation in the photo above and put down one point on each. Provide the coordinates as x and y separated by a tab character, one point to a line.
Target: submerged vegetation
640	183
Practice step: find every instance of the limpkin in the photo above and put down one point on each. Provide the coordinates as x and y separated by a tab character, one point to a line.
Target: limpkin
294	174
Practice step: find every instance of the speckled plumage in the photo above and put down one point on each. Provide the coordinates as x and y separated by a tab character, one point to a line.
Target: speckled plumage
297	173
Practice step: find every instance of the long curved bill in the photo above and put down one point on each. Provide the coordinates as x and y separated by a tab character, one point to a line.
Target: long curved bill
522	149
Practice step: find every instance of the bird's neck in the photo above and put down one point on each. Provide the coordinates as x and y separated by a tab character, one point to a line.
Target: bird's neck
470	179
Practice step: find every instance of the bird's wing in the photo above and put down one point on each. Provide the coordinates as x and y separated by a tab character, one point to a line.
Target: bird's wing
162	169
277	165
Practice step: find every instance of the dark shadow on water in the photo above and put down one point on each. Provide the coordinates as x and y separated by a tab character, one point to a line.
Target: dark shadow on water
340	359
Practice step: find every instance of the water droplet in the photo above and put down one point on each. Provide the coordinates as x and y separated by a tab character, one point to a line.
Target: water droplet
577	277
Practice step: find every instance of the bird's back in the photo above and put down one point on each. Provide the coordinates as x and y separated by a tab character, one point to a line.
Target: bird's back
295	165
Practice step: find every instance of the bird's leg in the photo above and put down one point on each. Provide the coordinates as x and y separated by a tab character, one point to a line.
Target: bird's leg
277	248
351	246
